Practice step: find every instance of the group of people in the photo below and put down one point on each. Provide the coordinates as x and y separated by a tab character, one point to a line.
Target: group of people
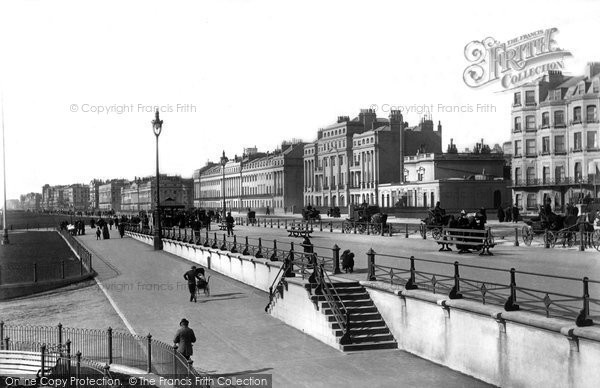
510	214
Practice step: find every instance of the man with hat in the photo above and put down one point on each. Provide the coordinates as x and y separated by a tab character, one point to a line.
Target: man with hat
184	338
191	276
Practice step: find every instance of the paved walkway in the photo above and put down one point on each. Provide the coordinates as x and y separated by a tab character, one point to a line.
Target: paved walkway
235	335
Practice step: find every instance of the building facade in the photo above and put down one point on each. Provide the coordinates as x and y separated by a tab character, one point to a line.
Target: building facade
554	138
351	158
31	202
77	197
109	195
94	199
253	181
140	195
457	180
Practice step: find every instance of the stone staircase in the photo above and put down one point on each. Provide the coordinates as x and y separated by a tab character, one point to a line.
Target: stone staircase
368	330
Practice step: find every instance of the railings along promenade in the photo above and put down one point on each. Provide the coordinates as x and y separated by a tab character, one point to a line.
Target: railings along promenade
36	272
58	362
492	286
105	346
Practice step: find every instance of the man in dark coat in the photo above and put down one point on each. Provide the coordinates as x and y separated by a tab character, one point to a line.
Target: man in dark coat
184	338
229	221
500	214
515	214
191	277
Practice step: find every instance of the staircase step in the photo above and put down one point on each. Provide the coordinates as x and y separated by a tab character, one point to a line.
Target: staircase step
382	337
358	317
351	303
341	284
354	310
363	331
361	296
370	323
369	346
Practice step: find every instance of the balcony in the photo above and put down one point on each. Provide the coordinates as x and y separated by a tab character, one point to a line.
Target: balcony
534	155
517	130
534	129
575	150
538	182
559	152
544	153
517	156
530	104
559	126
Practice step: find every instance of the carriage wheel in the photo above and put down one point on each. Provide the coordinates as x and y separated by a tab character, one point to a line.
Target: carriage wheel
570	238
436	233
527	235
550	238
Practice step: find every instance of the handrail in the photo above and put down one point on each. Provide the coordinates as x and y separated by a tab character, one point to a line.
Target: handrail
324	288
279	278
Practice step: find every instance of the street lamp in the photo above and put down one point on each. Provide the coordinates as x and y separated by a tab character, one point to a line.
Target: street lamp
157	127
224	161
4	231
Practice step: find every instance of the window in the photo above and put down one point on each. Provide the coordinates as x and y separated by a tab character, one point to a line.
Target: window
546	174
341	160
518	175
333	161
530	147
531	201
518	202
591	140
596	86
546	144
559	143
518	148
530	97
578	172
545	120
559	118
559	173
590	116
577	141
517	124
530	175
517	101
577	115
530	122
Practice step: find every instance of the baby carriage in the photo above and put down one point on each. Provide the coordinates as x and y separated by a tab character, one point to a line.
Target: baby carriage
203	283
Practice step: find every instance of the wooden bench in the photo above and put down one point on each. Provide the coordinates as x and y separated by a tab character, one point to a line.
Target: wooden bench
19	363
299	231
466	239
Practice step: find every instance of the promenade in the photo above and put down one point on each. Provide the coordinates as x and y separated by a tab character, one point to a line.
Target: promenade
235	336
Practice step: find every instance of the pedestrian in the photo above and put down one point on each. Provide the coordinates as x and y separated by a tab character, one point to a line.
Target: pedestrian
184	338
122	230
229	221
515	214
348	261
268	211
98	233
191	276
508	213
500	214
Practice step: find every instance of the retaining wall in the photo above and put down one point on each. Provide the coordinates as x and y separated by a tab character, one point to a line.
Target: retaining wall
508	349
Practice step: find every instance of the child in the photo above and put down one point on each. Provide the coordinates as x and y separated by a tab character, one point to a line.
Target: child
98	233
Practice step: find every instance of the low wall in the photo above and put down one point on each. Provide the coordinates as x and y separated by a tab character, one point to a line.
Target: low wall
508	349
11	291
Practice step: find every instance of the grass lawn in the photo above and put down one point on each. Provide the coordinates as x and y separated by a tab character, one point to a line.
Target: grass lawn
30	247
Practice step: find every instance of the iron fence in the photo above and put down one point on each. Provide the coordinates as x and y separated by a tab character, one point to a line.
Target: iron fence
490	285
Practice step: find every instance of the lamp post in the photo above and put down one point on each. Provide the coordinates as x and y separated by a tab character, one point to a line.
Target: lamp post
157	127
4	230
224	161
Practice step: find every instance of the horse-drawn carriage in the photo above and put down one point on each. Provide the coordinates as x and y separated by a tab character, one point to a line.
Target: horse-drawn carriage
309	213
365	219
334	212
565	229
434	223
251	215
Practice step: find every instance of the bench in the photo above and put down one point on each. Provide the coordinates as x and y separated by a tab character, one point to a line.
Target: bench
19	363
299	231
466	239
223	226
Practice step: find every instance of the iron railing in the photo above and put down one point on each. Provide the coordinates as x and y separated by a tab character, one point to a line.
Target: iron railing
500	288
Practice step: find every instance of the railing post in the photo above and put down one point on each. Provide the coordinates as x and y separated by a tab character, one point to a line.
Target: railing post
80	265
405	230
582	242
149	338
412	282
368	228
278	223
214	244
320	225
109	335
1	330
43	351
35	272
234	247
424	231
59	333
331	227
516	237
336	260
259	253
583	317
354	226
206	244
371	262
62	269
455	291
546	242
511	303
175	359
6	343
68	347
274	255
246	249
286	223
271	221
224	245
78	366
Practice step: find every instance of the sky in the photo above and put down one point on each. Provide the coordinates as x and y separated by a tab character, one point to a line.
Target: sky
80	79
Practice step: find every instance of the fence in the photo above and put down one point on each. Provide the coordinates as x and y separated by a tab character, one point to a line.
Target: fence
500	288
103	346
73	268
